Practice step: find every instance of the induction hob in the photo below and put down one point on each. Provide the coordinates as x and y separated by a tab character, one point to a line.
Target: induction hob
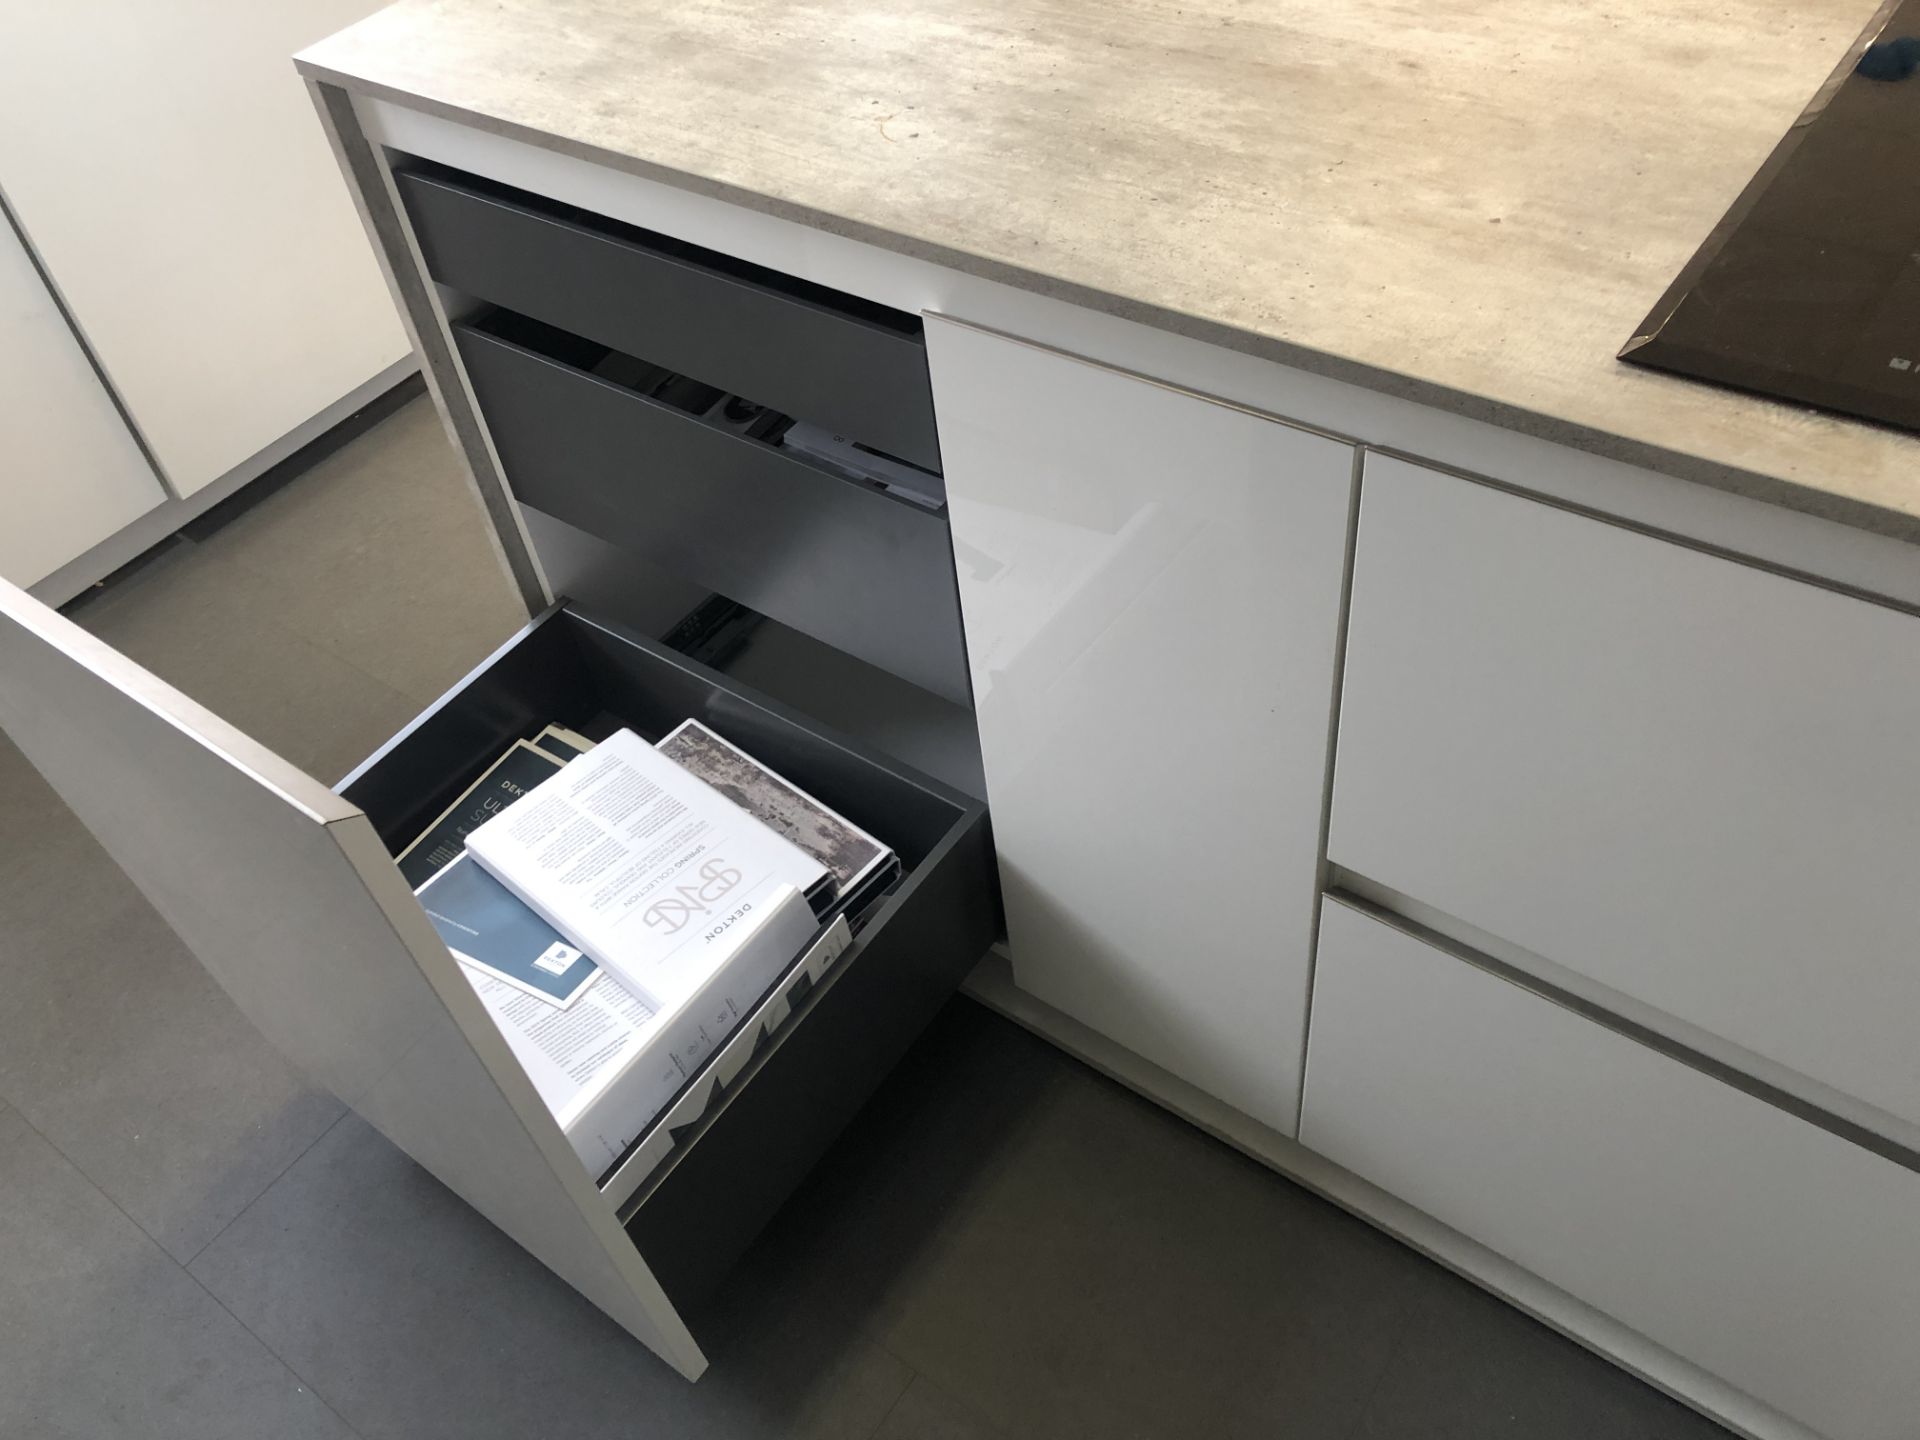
1809	288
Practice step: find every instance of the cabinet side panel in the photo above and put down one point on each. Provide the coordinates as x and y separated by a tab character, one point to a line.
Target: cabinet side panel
1151	584
371	185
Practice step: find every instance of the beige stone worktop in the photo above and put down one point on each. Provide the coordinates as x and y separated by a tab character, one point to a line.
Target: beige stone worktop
1470	202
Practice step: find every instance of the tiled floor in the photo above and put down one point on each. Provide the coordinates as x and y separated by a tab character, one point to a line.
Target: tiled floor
195	1244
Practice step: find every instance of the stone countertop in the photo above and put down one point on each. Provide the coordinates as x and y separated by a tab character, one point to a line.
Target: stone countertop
1470	203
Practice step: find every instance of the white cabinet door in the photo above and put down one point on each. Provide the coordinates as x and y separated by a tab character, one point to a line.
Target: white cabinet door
70	474
1687	780
1151	583
168	166
1768	1252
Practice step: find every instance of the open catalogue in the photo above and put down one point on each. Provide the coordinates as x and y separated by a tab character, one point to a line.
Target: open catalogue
646	868
695	907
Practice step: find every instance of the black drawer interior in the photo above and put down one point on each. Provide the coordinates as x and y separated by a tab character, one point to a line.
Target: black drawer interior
664	467
818	354
728	1173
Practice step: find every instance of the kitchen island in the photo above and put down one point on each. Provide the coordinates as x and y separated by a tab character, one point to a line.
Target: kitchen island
1458	768
1465	773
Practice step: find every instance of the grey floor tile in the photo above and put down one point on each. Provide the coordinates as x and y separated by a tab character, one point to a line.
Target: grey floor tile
321	619
416	1318
926	1412
380	556
102	1336
198	620
1325	1346
1470	1365
1069	1260
118	1046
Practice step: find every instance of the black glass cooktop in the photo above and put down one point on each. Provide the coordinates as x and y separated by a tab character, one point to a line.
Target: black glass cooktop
1809	289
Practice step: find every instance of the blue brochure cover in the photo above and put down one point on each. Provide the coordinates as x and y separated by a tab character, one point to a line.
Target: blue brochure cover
487	926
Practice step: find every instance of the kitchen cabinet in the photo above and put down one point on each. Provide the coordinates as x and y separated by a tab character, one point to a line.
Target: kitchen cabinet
165	163
1151	586
72	474
1773	1253
1684	780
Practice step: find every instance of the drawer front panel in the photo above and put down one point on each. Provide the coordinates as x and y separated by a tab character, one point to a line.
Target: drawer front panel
838	361
1765	1250
1680	777
862	570
729	1172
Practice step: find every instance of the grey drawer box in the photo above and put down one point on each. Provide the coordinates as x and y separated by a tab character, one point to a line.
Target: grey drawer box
723	1181
848	364
288	893
861	569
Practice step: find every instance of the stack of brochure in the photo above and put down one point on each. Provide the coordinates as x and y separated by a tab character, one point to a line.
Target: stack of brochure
621	910
862	869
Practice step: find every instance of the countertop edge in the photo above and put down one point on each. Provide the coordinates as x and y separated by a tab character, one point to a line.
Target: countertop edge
1786	494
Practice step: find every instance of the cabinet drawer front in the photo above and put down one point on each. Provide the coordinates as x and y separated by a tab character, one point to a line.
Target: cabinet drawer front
863	570
726	1174
853	366
1684	779
1765	1250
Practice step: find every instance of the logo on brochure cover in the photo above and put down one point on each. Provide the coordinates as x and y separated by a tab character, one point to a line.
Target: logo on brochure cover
689	898
556	959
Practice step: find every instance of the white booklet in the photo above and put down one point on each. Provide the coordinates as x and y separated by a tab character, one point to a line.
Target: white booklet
640	864
608	1065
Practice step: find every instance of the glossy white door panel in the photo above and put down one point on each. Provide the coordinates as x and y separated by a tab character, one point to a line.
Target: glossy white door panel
1151	585
70	473
1682	778
166	163
287	896
1770	1252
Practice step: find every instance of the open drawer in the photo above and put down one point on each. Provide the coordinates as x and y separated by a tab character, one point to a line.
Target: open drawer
287	892
726	1174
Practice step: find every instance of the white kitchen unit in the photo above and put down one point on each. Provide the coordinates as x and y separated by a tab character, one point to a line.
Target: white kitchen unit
70	472
1126	550
163	164
1677	777
1779	1256
1277	578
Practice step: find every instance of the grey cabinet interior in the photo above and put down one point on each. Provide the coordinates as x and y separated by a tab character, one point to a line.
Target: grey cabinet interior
728	1172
